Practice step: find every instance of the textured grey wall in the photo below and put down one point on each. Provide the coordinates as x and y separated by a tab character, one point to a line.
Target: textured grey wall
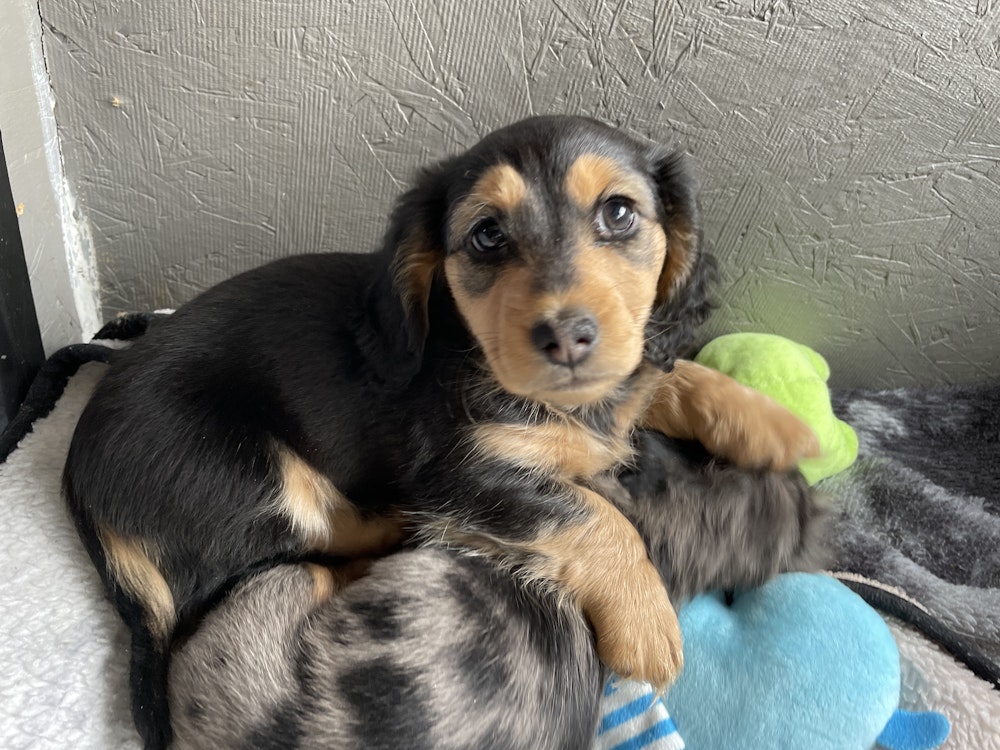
849	151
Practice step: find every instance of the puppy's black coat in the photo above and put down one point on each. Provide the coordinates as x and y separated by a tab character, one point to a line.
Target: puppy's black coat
464	384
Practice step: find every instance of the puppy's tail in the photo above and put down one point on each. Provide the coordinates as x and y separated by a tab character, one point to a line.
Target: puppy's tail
144	601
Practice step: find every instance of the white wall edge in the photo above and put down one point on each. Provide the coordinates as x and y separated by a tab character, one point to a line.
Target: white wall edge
57	242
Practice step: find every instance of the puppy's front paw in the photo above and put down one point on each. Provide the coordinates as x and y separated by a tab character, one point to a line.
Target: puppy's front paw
760	434
730	419
638	635
790	439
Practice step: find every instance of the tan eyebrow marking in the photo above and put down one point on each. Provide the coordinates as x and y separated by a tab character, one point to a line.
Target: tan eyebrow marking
592	176
500	187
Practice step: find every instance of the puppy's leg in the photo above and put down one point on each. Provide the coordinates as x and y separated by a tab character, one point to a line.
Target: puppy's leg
750	429
572	537
603	562
144	600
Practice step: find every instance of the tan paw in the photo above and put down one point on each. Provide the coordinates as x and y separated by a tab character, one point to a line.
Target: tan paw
638	635
731	420
760	434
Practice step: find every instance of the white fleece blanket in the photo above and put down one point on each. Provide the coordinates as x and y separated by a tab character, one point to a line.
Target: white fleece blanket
64	654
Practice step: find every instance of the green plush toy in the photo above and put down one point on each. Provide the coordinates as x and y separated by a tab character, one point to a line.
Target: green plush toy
795	376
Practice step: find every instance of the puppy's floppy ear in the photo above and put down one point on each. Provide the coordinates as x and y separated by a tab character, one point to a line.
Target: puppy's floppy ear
682	300
413	253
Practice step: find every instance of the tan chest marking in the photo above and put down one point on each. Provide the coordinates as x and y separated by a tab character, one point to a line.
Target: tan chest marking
568	450
564	446
325	520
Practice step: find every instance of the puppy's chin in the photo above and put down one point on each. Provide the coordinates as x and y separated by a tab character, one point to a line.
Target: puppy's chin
569	398
559	386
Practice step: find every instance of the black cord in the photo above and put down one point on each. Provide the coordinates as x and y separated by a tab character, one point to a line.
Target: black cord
959	646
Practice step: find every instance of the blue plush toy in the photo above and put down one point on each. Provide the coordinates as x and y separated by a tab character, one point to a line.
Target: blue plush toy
802	663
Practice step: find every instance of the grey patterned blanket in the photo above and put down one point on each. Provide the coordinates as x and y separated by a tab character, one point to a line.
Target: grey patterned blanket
920	511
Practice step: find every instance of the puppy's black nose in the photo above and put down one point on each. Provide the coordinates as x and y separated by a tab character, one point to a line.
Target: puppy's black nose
568	340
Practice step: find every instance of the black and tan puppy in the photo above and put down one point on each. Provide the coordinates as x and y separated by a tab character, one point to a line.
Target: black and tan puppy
437	649
464	384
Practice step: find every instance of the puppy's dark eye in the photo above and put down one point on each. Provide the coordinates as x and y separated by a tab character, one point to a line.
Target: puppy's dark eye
488	237
616	216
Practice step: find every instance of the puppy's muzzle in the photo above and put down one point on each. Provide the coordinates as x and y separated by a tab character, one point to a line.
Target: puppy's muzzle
568	339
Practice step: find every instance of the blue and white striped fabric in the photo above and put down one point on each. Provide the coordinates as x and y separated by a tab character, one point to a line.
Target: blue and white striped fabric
633	717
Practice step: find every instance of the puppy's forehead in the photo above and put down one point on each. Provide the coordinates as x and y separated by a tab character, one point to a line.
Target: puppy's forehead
570	169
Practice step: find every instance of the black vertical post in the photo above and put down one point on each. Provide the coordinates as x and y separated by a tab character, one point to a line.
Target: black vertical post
20	342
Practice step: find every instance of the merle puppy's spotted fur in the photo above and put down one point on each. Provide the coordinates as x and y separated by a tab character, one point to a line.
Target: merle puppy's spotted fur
437	649
465	385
